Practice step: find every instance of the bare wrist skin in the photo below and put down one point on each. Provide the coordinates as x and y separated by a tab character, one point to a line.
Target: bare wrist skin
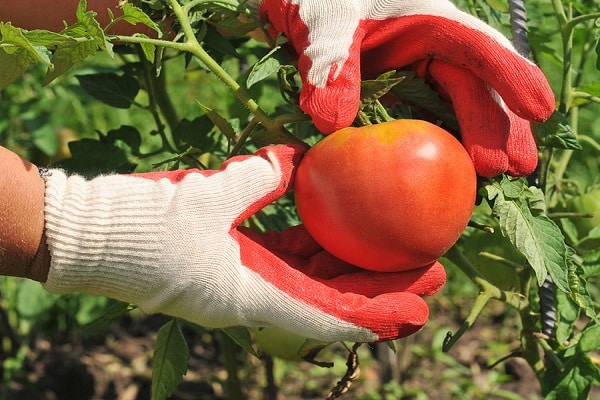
23	250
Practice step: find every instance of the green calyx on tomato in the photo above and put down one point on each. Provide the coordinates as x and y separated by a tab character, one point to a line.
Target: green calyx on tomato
387	197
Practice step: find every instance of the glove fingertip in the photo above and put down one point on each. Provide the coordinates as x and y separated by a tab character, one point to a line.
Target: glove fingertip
331	108
400	315
521	148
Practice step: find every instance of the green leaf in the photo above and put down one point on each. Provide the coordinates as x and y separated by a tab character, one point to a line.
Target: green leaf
578	286
591	263
241	336
416	91
113	309
573	381
115	90
87	27
512	188
11	35
127	134
499	5
220	122
17	54
68	54
590	339
91	157
12	66
592	88
169	362
217	45
556	132
265	67
226	16
372	90
135	15
567	313
148	49
536	236
195	133
39	37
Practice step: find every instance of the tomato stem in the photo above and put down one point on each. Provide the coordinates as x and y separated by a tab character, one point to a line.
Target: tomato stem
487	291
192	46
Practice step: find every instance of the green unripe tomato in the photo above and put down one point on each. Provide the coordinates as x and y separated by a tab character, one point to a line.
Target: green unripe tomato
280	343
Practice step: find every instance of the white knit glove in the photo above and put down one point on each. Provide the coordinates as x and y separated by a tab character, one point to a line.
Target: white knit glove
169	242
494	91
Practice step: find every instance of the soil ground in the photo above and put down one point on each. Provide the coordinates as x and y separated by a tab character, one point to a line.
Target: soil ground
116	365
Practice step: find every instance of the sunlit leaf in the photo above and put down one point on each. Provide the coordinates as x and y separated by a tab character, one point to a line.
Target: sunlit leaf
135	15
148	48
87	27
68	54
578	286
374	89
593	88
26	51
265	67
537	237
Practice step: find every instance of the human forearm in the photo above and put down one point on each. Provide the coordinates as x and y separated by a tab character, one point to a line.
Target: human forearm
21	218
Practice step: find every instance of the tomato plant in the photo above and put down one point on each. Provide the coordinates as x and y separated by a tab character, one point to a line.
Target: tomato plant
196	97
377	196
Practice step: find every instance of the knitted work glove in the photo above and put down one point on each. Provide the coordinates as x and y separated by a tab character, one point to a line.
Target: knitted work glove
170	242
495	92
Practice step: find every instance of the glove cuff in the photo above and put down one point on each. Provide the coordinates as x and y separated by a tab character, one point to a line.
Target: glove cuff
102	237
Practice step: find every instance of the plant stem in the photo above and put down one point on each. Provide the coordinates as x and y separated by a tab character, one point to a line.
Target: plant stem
567	94
229	350
529	343
243	137
163	100
487	291
192	46
478	306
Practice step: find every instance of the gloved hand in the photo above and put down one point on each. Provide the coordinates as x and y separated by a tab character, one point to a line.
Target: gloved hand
495	92
170	242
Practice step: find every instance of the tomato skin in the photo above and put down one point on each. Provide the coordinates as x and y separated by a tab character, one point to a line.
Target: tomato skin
388	197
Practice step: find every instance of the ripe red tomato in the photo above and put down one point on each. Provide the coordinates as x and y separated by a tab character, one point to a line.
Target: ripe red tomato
387	197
